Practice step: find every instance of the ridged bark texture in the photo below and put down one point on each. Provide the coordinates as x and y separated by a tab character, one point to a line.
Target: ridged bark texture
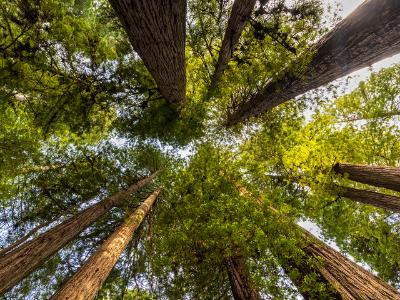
368	35
156	29
241	12
240	280
87	281
19	263
388	202
386	177
349	279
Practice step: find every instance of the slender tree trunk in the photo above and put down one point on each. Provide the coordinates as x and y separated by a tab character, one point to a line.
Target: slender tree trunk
156	29
87	281
241	12
239	278
19	263
388	202
368	35
386	177
350	280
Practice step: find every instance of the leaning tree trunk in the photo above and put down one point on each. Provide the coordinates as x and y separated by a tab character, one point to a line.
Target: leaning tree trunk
368	35
349	279
386	177
240	280
87	281
388	202
241	12
19	263
156	29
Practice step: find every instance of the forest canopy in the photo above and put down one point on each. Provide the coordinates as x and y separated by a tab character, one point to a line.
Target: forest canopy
191	149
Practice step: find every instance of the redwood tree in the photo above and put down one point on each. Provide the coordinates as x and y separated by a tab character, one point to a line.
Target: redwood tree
240	279
368	35
20	262
388	202
156	29
386	177
241	11
87	281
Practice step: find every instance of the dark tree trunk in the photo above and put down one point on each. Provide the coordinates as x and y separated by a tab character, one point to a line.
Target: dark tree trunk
239	278
156	29
370	34
388	202
19	263
87	281
386	177
350	280
241	12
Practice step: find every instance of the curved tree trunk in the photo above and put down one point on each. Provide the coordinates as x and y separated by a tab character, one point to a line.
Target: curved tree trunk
156	29
87	281
241	12
388	202
386	177
349	279
240	280
19	263
368	35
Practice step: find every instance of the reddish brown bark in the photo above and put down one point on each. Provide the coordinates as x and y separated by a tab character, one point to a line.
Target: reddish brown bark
156	29
388	202
241	12
349	279
386	177
17	264
368	35
240	280
87	281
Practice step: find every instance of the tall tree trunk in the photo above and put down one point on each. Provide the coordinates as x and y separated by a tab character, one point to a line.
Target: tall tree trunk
239	278
368	35
388	202
386	177
350	280
87	281
19	263
156	29
241	12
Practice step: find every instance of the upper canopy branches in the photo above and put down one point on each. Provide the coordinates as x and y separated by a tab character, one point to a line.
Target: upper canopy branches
156	29
368	35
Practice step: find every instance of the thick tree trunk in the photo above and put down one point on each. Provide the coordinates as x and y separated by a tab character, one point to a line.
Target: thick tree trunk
370	34
87	281
386	177
17	264
239	278
241	12
349	279
388	202
156	29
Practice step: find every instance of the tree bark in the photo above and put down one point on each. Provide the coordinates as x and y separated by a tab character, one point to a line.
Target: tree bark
349	279
19	263
241	12
87	281
368	35
156	29
239	279
386	177
388	202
